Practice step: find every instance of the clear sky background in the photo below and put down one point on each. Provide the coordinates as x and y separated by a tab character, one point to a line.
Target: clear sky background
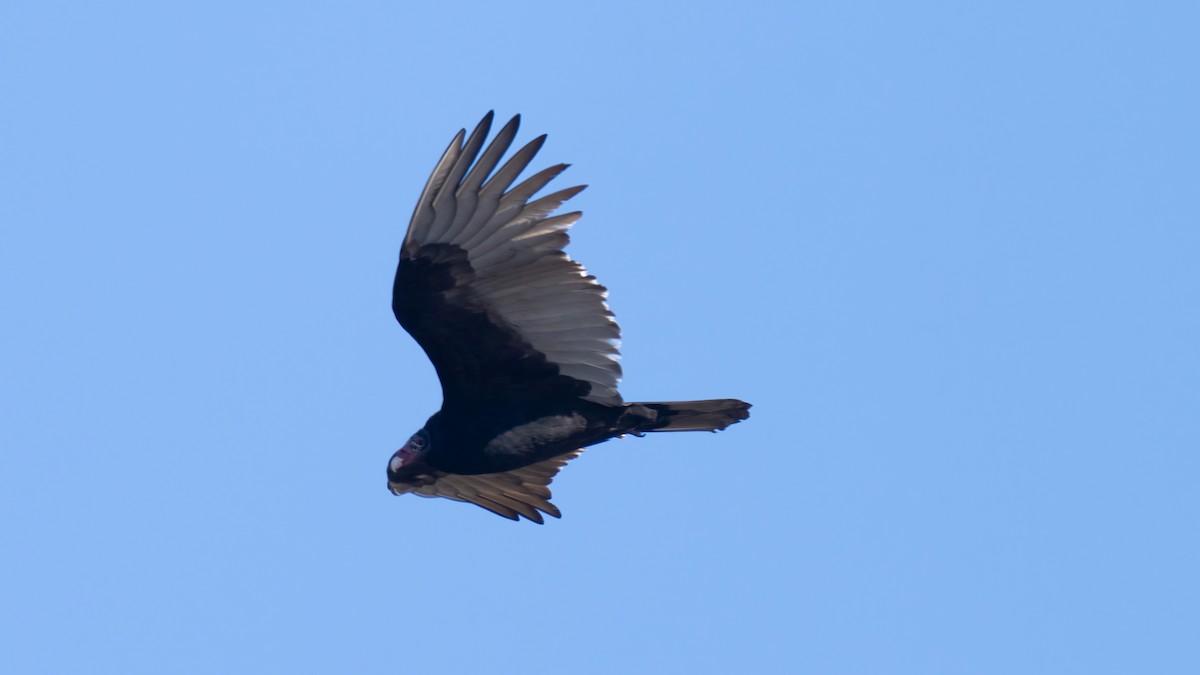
948	250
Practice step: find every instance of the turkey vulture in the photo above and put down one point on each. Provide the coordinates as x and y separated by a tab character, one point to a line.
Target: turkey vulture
520	335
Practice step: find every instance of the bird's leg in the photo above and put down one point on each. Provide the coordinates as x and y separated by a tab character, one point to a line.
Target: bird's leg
634	419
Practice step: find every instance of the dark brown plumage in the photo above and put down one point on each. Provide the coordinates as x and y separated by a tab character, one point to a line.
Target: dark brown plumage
522	339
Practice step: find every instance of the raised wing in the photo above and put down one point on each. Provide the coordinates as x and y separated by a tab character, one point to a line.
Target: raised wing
484	286
512	494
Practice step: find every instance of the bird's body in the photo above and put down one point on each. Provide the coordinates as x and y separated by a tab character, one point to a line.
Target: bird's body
520	335
490	436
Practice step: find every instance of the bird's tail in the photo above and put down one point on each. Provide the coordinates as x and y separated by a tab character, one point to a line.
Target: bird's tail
712	415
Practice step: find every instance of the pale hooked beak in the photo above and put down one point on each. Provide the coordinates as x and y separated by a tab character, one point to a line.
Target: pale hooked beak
410	453
401	465
400	460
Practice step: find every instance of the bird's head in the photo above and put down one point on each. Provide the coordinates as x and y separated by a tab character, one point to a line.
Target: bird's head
405	468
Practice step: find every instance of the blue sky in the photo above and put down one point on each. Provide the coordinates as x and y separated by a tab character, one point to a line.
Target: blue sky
948	251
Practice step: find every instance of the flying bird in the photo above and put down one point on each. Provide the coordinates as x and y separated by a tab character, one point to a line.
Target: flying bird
522	339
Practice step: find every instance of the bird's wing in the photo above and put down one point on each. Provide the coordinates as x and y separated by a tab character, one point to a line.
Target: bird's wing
484	286
512	494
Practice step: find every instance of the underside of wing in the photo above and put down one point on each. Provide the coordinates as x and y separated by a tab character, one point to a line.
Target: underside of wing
484	286
512	494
